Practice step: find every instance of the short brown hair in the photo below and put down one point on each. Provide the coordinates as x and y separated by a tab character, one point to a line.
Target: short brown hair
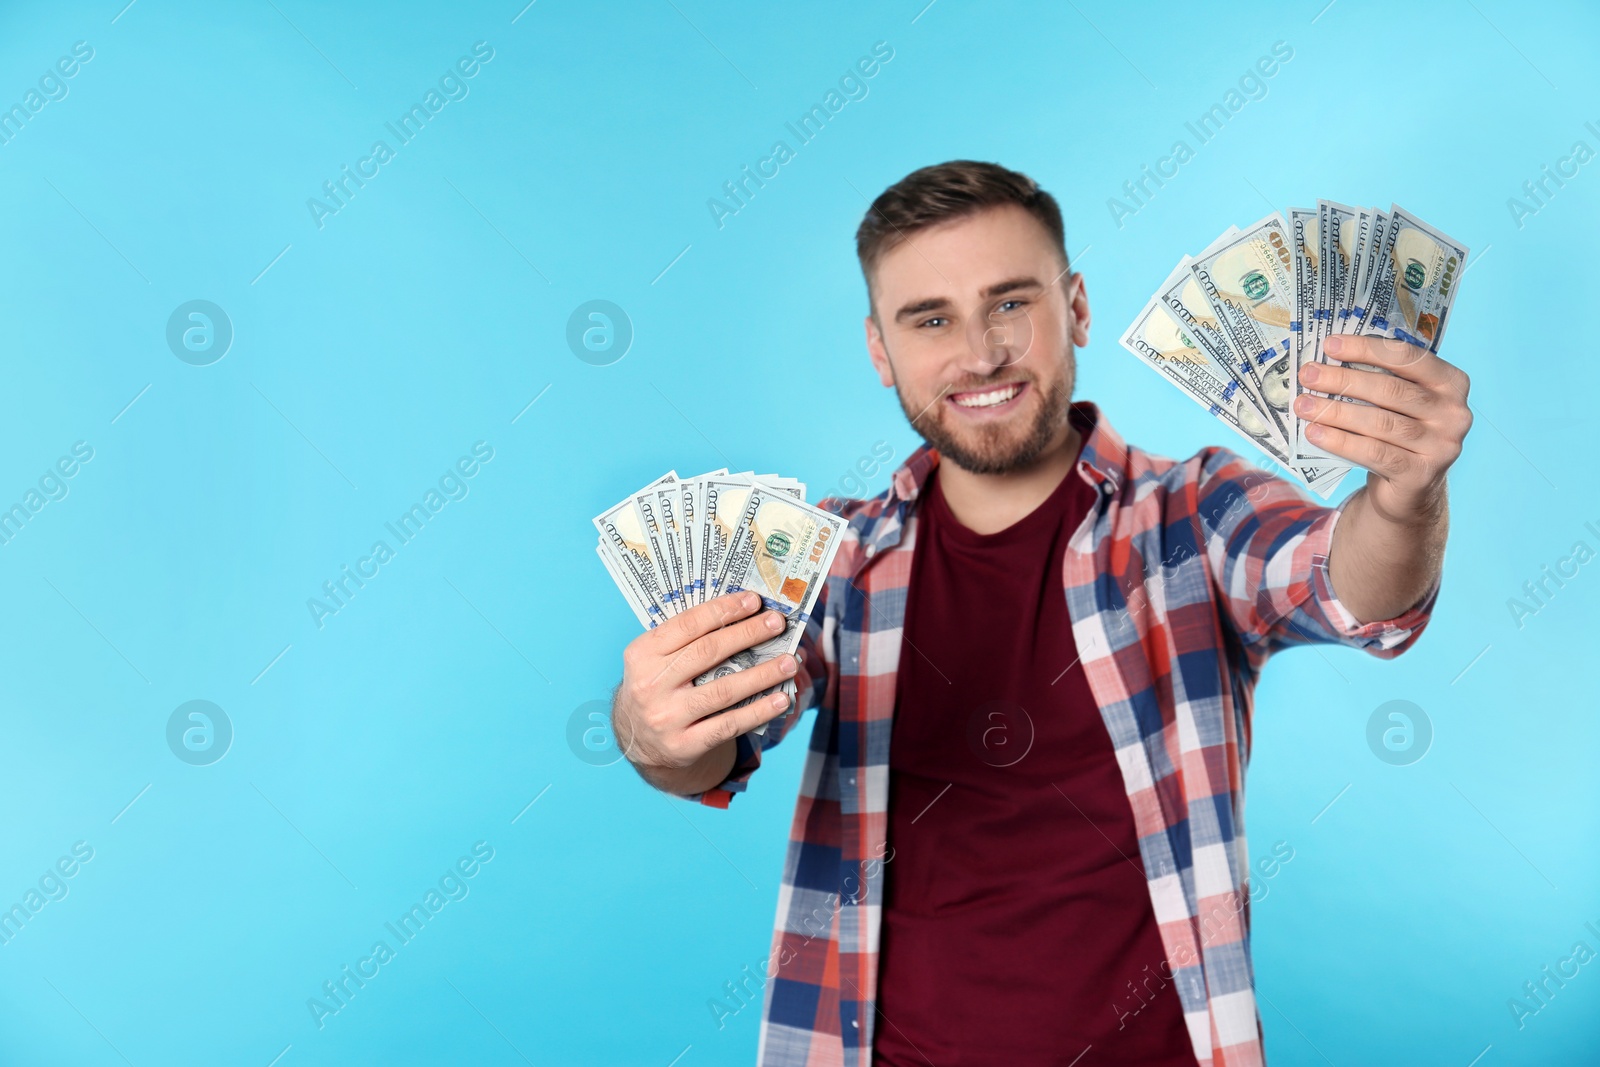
947	191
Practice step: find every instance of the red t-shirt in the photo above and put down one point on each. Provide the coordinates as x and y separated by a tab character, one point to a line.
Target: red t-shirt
1017	923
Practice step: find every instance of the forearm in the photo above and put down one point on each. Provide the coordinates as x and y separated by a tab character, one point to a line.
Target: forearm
1382	564
708	771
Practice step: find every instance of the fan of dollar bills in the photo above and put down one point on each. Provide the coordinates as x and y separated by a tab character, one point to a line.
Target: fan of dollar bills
1232	325
679	542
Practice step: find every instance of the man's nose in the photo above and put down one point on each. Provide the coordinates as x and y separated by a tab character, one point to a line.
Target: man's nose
996	340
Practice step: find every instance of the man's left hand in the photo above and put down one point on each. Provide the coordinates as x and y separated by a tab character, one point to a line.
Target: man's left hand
1407	434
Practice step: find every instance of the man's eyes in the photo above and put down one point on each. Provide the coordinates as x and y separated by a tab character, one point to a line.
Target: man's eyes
1007	305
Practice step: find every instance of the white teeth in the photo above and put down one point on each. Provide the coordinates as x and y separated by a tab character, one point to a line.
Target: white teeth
988	400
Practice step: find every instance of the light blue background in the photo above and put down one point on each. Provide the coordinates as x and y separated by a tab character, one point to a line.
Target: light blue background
429	312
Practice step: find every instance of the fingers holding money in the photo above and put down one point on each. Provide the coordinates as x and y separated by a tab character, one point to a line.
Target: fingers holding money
721	725
682	630
1366	420
1386	390
660	717
1427	375
1419	405
1410	453
1390	461
700	656
716	697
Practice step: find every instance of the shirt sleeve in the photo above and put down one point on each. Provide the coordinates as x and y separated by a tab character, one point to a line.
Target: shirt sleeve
1268	549
815	682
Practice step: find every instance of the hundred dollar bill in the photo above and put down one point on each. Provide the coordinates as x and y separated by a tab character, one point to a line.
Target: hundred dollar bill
1335	230
1369	270
692	519
1248	281
793	486
1181	296
670	498
622	538
1415	281
782	549
630	590
658	519
1198	328
688	509
1369	233
1158	338
1344	231
1327	478
724	501
1325	267
717	495
1341	244
1320	304
1303	242
1304	236
1359	230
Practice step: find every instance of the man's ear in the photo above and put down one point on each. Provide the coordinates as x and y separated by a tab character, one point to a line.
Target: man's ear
1078	301
878	353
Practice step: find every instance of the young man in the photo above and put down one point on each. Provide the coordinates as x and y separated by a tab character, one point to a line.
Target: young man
1019	838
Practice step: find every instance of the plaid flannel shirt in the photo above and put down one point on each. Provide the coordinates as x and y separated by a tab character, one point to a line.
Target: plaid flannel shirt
1180	583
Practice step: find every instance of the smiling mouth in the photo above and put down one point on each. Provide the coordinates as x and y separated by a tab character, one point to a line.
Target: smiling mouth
992	397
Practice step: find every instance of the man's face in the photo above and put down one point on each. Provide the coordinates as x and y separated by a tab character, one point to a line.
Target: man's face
977	335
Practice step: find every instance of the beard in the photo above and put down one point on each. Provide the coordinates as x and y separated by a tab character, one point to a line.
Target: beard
998	448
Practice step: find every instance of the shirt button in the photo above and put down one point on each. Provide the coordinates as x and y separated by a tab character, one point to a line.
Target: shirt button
852	779
871	551
855	1024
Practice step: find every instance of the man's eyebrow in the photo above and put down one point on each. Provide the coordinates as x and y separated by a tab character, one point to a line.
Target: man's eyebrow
937	302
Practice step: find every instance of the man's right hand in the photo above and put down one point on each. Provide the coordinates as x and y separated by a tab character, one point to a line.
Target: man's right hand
675	733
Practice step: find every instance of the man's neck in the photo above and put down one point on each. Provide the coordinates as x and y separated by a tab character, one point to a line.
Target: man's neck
988	503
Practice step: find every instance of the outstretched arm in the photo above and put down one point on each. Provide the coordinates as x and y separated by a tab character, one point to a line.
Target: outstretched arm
1389	543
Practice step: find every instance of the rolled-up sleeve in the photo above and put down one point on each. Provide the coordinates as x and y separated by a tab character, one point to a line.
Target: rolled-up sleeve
1386	637
1268	548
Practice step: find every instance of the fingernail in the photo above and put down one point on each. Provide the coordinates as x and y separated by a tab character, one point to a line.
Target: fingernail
780	700
1303	404
1309	372
1333	345
774	621
1315	431
748	601
787	664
